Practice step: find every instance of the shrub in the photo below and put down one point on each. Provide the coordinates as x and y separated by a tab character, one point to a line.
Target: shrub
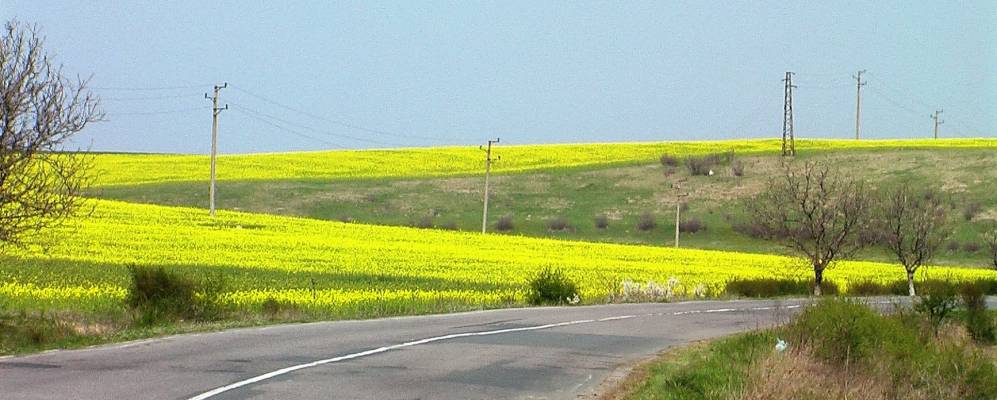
979	322
737	168
971	247
953	246
272	307
691	225
841	331
669	160
871	288
450	226
937	301
601	221
771	287
504	224
971	210
559	224
158	295
701	165
424	222
646	222
552	286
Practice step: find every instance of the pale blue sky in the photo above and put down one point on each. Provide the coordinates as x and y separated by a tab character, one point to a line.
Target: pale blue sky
427	73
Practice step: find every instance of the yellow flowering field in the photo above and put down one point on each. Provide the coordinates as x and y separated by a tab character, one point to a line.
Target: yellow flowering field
129	169
333	265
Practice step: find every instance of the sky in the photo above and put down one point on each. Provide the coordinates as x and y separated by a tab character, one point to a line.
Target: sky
316	75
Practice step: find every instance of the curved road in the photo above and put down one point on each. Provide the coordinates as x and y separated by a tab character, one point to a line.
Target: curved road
530	353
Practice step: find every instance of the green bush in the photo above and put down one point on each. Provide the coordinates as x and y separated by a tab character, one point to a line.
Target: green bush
936	303
842	331
979	322
771	287
551	286
158	295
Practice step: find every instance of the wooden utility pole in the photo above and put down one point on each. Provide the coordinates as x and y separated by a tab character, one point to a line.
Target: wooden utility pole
215	110
788	142
858	102
488	173
937	121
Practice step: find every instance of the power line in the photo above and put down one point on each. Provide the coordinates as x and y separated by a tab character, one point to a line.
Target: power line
179	96
359	139
337	122
184	110
285	129
143	89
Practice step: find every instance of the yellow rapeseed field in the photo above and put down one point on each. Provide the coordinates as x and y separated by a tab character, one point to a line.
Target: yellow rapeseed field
333	265
128	169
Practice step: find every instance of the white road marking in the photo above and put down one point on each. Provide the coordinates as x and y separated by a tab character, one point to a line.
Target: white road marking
378	350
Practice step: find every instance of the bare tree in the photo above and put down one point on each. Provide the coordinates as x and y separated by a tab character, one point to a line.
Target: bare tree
990	238
40	185
911	225
814	212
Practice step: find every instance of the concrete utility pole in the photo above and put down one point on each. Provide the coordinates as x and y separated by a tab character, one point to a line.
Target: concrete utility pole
937	121
858	102
215	110
678	209
788	142
488	173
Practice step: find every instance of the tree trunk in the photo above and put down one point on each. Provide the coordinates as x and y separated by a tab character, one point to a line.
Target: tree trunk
910	283
818	281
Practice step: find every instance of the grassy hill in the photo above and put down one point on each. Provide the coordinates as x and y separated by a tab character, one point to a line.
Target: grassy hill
620	182
132	169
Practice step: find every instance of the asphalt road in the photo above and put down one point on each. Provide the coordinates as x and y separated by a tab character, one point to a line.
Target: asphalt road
532	353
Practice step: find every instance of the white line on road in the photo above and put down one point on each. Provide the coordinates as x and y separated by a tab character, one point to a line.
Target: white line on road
378	350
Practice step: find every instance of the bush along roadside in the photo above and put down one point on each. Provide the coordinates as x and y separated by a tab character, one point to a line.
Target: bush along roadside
833	350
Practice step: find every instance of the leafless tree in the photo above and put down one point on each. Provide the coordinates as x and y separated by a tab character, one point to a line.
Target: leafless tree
40	184
911	226
814	212
990	238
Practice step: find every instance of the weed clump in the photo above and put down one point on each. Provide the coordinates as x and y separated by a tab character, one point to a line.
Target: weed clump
669	160
552	286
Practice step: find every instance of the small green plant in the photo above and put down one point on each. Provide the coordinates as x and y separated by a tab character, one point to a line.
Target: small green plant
552	286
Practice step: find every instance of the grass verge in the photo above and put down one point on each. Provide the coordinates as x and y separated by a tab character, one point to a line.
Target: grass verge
837	349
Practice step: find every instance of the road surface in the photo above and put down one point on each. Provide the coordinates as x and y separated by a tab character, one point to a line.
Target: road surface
530	353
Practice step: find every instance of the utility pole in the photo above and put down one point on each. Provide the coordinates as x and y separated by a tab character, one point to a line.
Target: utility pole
788	142
937	121
488	173
678	209
858	102
215	110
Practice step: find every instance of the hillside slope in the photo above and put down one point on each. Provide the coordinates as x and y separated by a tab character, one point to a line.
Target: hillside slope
533	201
